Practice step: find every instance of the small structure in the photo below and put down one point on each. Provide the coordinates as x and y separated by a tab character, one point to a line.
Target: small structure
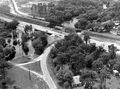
115	72
76	81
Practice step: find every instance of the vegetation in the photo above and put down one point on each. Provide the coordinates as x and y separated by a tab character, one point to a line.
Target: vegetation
90	13
7	51
39	42
72	56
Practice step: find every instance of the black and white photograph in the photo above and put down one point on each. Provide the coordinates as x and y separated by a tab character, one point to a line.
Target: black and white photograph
59	44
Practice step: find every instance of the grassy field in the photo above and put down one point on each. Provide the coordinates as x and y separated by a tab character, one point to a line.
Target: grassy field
25	9
35	67
4	8
21	78
21	60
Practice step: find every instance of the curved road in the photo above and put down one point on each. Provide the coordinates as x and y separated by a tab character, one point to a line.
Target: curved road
45	70
42	58
46	76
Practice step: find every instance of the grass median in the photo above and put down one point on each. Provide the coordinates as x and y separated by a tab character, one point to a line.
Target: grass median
22	79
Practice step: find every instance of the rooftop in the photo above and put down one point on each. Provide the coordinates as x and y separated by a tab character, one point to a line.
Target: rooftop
76	79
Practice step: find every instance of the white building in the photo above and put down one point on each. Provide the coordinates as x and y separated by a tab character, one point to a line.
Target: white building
76	81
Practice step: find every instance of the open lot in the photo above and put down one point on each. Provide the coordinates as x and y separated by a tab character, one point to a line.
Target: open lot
22	79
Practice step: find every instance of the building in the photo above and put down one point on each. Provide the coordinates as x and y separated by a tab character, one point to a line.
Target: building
76	81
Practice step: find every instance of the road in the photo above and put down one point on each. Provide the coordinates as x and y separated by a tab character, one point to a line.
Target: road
43	57
47	76
41	28
16	8
45	70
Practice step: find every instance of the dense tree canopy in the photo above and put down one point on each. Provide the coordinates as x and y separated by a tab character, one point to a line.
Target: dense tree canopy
12	25
39	42
83	59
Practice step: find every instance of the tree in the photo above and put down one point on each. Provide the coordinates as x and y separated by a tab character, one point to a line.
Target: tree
9	53
38	46
9	40
92	15
39	42
108	26
103	76
28	28
15	42
15	35
66	85
44	40
65	75
54	53
24	37
51	6
82	23
25	48
88	77
86	38
13	25
89	60
2	42
62	58
112	51
68	16
97	65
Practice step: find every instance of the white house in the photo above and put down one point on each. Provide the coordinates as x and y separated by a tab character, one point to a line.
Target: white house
76	81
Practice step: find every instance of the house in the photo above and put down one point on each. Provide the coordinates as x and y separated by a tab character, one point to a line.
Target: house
76	81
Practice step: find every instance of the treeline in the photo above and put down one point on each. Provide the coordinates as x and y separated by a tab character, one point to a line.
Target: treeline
100	20
65	10
90	13
73	56
39	42
7	51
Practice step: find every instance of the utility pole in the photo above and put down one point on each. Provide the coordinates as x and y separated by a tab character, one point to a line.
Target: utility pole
29	72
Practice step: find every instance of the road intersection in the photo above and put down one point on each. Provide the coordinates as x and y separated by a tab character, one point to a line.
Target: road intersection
42	58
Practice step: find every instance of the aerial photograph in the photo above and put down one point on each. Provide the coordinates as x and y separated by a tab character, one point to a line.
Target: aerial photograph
59	44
